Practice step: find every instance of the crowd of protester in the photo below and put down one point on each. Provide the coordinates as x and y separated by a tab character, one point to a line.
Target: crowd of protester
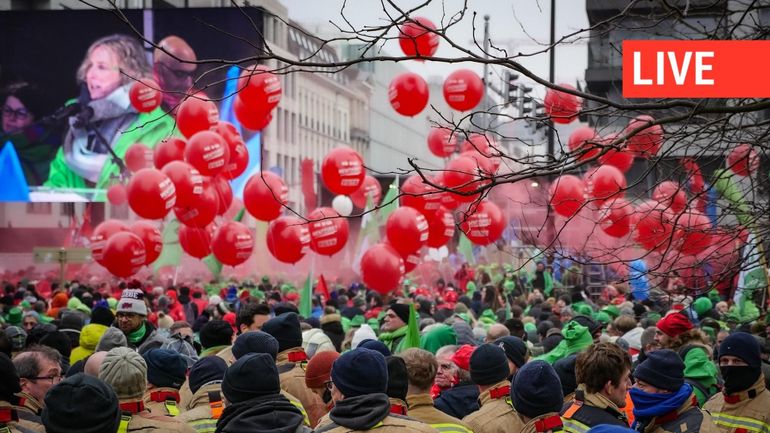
469	355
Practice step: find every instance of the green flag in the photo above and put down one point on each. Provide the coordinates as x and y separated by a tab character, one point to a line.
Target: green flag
214	265
466	248
412	338
306	297
729	190
389	203
171	254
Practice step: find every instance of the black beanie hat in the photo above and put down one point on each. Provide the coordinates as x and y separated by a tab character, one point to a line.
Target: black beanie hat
489	365
515	349
208	369
662	369
285	328
376	345
592	325
402	311
9	379
360	372
565	369
102	316
216	333
398	379
59	341
81	404
743	346
550	342
255	342
536	390
252	376
165	368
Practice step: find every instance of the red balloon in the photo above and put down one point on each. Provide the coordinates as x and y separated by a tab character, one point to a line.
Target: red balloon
419	195
382	268
342	171
743	160
615	217
647	142
408	94
622	159
258	87
224	194
151	194
463	90
448	200
145	95
442	142
288	239
233	243
694	229
462	176
652	230
328	231
584	141
207	152
407	230
203	211
116	194
483	223
605	182
670	195
101	233
196	115
124	254
254	118
567	195
195	241
369	189
562	107
137	157
264	195
484	150
239	154
486	165
441	228
187	181
151	238
170	149
416	38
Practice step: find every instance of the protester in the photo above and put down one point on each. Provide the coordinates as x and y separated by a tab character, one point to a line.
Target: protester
126	372
359	383
603	376
166	372
489	370
536	395
10	417
39	370
318	374
516	351
394	327
81	403
454	392
398	384
174	66
131	318
743	402
421	367
206	405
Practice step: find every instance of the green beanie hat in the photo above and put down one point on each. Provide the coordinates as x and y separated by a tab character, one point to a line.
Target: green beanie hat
530	327
357	321
603	317
14	316
470	287
113	303
654	317
702	306
612	310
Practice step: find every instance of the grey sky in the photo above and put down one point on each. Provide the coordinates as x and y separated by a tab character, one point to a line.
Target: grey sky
513	24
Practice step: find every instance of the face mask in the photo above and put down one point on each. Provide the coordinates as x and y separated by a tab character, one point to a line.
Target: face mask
739	378
327	397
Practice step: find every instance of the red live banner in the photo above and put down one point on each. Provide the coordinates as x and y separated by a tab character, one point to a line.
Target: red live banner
696	69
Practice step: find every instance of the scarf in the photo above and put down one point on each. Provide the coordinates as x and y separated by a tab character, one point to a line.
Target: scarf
137	336
388	337
648	406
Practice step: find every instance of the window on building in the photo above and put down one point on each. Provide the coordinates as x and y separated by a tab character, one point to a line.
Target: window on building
36	208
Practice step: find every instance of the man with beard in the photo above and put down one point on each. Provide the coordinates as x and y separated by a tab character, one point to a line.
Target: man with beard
131	318
744	401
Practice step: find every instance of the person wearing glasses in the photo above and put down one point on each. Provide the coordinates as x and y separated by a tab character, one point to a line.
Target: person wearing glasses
112	64
174	70
35	144
39	369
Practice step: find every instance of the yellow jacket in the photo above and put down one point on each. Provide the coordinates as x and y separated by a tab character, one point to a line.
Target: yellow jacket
748	411
496	415
199	413
292	376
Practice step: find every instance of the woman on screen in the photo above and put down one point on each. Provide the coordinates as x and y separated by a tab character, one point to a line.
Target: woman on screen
35	144
111	65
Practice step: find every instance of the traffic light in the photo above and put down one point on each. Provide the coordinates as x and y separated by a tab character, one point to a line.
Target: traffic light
512	89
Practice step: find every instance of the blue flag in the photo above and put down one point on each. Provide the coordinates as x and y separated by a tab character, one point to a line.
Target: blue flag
14	185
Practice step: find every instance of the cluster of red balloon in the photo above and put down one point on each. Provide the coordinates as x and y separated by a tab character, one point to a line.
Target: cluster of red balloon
408	92
743	160
124	249
259	92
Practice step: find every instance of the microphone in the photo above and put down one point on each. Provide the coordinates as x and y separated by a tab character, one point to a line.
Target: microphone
78	108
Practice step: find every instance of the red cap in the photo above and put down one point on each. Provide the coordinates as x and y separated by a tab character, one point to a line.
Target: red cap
319	368
463	356
674	324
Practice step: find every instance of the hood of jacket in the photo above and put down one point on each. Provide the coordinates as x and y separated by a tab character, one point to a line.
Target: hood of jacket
272	413
439	336
90	335
362	412
458	401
